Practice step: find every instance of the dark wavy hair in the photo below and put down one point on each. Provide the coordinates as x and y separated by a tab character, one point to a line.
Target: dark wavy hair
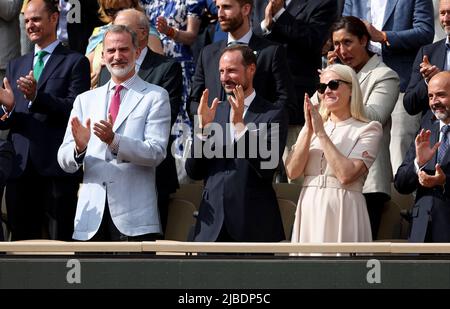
354	26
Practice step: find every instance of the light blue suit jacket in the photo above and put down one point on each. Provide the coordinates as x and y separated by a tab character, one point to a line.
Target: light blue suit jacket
409	24
127	179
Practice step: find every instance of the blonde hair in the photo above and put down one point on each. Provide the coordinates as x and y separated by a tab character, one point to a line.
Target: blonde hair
347	74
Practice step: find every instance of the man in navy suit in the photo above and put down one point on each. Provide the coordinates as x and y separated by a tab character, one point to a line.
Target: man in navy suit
427	166
40	89
239	203
272	80
430	60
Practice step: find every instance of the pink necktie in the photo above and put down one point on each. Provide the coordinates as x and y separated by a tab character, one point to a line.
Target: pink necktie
115	103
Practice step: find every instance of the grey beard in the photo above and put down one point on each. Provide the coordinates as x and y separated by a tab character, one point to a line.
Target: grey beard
119	72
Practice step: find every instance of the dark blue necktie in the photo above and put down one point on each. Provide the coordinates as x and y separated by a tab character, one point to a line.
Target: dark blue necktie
444	144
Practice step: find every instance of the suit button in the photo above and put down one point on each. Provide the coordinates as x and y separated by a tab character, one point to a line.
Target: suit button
104	183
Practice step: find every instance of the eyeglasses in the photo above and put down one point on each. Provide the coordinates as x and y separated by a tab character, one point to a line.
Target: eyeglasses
332	84
112	12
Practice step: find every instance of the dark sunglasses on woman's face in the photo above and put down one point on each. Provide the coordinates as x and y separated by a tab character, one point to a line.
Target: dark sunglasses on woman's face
332	84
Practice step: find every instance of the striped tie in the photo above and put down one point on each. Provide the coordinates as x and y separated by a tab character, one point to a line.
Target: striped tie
444	144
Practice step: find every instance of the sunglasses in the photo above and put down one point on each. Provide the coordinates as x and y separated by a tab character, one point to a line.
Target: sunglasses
112	12
332	84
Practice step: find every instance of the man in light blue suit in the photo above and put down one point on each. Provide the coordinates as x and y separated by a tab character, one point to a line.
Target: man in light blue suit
400	27
118	199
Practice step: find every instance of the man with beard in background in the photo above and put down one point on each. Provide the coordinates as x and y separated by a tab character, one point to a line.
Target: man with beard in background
427	167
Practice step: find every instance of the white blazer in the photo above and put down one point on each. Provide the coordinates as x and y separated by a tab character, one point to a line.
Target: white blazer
127	179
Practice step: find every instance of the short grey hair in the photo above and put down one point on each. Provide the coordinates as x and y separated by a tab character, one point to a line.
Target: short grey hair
142	19
123	29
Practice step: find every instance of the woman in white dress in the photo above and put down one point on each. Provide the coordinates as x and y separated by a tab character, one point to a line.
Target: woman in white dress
334	152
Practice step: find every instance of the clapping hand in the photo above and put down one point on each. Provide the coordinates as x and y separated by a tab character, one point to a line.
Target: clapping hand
315	117
424	152
205	113
237	105
430	181
81	134
27	84
427	69
7	96
103	130
161	25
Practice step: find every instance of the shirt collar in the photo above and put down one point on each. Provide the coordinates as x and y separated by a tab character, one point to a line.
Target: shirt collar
141	56
447	43
248	100
50	48
245	39
126	84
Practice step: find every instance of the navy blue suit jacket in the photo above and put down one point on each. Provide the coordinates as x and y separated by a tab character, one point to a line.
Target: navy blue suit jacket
431	211
409	24
38	131
238	192
416	96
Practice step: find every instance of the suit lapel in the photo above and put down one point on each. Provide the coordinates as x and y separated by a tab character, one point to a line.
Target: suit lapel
441	55
296	7
256	44
53	62
390	5
101	109
253	112
147	66
215	65
132	99
367	69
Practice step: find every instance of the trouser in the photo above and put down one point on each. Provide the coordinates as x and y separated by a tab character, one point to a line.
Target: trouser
109	232
41	206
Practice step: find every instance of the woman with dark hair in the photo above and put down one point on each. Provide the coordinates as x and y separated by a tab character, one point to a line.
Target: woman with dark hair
380	88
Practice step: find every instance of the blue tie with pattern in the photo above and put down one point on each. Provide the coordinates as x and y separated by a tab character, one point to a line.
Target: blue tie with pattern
444	143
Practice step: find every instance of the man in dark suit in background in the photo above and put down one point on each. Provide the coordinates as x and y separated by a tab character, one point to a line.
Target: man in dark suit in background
239	203
40	88
272	79
427	166
166	73
430	60
79	32
302	27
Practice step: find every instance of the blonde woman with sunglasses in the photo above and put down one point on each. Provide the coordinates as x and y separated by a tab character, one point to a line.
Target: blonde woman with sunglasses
334	152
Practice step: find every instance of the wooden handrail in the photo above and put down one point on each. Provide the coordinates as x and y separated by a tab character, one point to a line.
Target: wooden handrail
43	246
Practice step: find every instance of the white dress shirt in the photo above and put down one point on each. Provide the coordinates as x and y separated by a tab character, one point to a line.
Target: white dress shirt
375	16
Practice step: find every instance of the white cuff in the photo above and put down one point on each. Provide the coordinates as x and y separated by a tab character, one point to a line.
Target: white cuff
417	168
114	146
278	14
264	29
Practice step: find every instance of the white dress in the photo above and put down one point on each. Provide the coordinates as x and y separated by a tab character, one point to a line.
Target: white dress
328	211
